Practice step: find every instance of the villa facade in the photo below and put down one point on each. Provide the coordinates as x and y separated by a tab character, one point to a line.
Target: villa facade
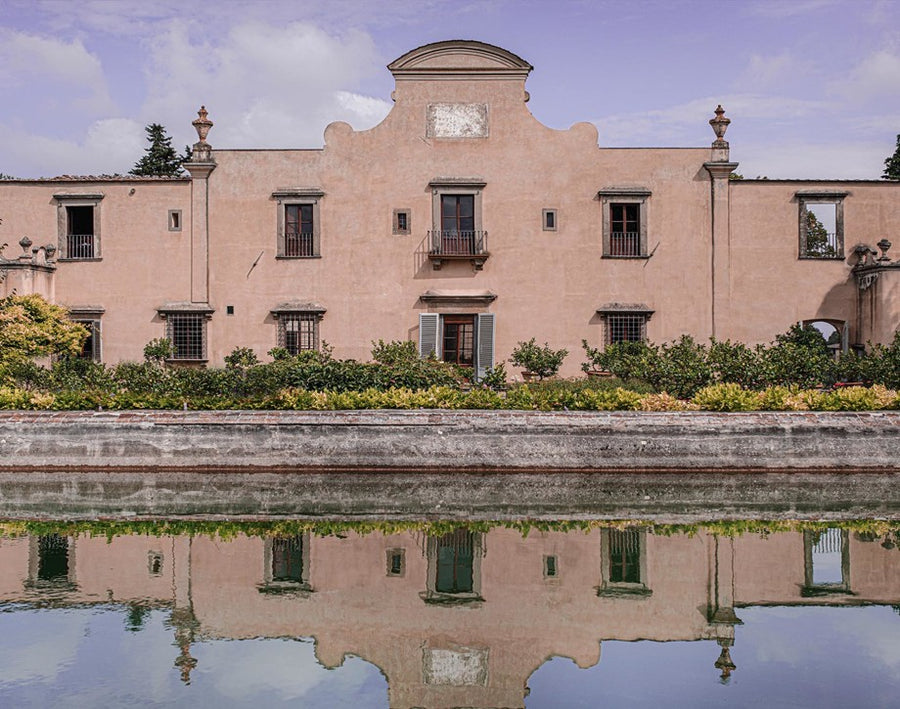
459	222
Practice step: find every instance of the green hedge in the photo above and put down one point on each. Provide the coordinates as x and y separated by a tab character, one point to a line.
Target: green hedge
718	397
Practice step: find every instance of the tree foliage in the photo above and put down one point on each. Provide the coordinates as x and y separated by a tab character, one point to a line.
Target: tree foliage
31	327
817	243
160	157
892	164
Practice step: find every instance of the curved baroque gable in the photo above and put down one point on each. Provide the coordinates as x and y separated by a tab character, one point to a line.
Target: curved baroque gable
458	58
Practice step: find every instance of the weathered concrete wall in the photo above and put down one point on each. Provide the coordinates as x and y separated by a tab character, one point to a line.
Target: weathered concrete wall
449	464
438	440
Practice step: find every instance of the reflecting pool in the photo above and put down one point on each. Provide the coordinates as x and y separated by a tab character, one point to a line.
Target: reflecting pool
576	614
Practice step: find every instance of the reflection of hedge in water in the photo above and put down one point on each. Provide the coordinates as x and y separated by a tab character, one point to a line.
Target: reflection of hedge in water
287	528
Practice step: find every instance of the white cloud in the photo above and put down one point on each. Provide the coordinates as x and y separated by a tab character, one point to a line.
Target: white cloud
264	85
33	68
768	71
780	9
877	76
687	123
109	145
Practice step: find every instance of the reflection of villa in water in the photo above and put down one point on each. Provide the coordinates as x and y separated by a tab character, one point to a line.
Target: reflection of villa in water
458	620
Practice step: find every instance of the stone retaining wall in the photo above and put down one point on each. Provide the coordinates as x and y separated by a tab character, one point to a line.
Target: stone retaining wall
441	440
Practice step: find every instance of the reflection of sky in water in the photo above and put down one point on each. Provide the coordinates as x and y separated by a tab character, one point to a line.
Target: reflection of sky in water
785	657
84	657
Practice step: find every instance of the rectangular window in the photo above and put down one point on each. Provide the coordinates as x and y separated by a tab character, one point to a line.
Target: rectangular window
287	559
459	340
401	221
624	556
298	230
79	232
396	562
78	225
625	216
298	222
174	220
53	558
187	333
457	232
298	331
624	563
626	327
91	348
827	562
625	229
467	340
455	562
821	224
548	217
551	567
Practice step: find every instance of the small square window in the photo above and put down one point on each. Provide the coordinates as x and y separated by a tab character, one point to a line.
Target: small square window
549	220
154	563
174	220
396	562
551	567
402	221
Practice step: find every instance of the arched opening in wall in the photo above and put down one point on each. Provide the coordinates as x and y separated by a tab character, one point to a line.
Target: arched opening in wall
835	332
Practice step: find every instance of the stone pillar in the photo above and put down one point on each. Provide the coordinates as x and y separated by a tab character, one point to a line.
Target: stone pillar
720	170
200	166
877	294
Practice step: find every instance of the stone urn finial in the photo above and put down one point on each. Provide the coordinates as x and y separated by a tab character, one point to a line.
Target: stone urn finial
719	125
884	245
25	243
202	124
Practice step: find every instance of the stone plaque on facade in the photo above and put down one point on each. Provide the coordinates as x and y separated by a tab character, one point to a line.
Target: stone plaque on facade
457	120
458	666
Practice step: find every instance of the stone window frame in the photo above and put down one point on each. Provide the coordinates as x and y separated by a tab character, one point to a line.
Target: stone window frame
835	197
64	200
190	312
271	586
464	186
625	195
397	217
390	554
623	589
175	220
69	583
90	317
812	589
298	196
313	312
635	310
467	598
548	215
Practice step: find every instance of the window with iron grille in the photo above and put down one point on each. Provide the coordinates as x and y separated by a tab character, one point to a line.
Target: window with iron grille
625	222
624	563
626	327
187	333
298	331
298	222
287	559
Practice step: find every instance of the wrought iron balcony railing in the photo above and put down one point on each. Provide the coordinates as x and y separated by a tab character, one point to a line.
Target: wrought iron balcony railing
79	246
299	244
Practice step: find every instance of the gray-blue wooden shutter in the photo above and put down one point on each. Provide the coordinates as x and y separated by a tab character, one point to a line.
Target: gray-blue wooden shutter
428	335
485	357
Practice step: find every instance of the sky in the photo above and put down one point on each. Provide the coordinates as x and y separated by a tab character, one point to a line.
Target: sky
812	86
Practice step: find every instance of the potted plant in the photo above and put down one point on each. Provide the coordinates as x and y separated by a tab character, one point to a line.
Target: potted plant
538	360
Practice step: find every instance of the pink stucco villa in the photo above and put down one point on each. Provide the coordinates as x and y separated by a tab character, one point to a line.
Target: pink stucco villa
459	222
